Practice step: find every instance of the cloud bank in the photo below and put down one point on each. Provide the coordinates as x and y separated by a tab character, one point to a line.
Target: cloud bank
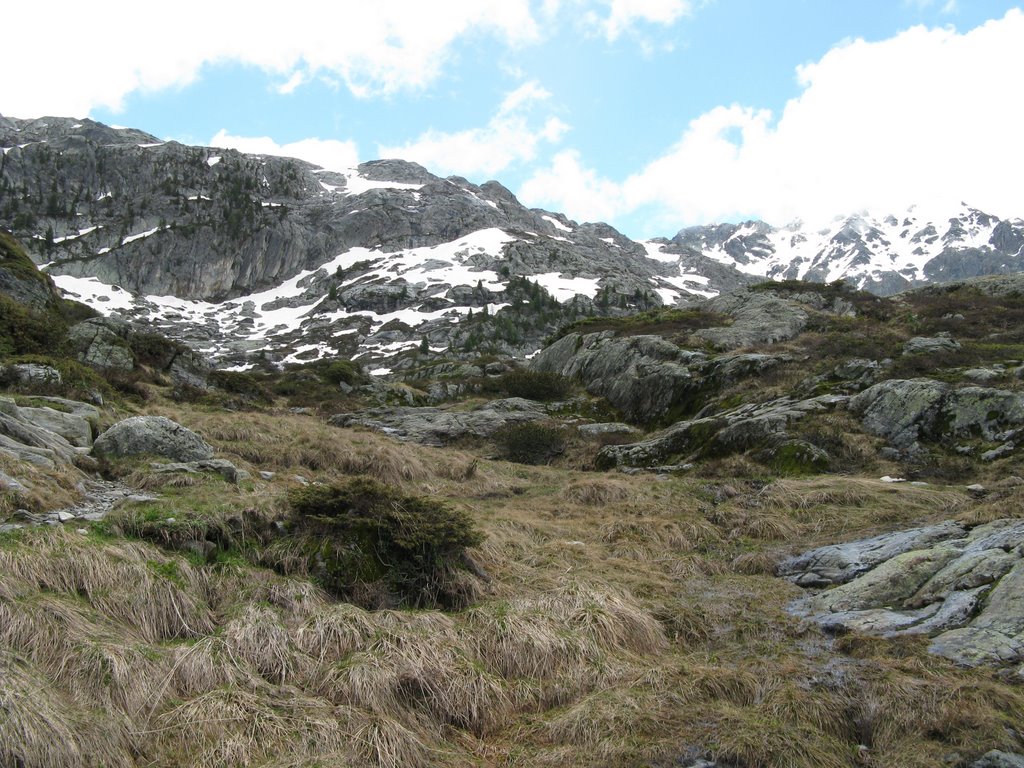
84	58
929	116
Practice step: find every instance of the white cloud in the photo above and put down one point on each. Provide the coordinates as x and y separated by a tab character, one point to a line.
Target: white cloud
328	153
928	116
624	14
97	58
575	190
509	137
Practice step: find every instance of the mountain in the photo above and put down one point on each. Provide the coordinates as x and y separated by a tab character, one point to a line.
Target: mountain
882	254
256	259
241	254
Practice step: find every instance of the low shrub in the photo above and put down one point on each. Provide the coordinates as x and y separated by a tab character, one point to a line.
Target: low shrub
367	542
238	383
536	385
24	331
343	372
529	443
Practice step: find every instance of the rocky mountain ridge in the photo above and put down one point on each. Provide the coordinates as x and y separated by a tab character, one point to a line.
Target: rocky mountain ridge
884	254
237	253
257	260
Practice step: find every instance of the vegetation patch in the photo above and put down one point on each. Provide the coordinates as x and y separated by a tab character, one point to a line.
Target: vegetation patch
536	385
367	542
529	443
674	324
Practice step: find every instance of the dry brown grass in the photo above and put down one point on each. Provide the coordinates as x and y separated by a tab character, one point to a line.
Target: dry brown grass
827	508
158	597
626	619
42	488
40	726
598	492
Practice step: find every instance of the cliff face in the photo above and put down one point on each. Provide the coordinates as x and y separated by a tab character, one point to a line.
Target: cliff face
240	254
161	218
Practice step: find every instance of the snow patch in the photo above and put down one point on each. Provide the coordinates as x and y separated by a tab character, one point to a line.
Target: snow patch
556	223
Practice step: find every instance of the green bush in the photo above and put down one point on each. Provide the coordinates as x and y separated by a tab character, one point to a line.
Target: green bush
535	385
240	383
529	443
365	541
24	331
343	372
154	349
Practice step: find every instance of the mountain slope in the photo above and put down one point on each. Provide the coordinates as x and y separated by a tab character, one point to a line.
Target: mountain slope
261	259
883	254
271	254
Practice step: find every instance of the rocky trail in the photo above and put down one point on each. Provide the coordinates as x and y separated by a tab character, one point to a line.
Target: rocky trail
99	497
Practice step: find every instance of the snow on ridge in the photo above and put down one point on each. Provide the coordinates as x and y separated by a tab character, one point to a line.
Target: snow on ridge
213	160
557	224
132	238
564	289
654	251
282	309
356	183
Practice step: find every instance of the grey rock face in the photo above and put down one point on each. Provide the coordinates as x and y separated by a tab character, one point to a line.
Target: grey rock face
30	373
962	587
437	426
759	317
999	759
102	343
900	410
152	435
37	435
906	411
840	563
920	345
646	377
643	376
761	425
76	427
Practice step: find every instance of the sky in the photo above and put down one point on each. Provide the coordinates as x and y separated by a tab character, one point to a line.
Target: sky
651	115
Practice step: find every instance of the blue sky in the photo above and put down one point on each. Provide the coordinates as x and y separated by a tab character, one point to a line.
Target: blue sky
650	114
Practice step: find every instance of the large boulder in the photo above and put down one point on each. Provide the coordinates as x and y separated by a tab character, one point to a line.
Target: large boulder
900	410
153	436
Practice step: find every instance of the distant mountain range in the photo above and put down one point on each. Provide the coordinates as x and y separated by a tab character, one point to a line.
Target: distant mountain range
265	259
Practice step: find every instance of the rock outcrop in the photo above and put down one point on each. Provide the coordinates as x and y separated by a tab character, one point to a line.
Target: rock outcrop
760	426
440	426
41	435
646	377
908	411
963	587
